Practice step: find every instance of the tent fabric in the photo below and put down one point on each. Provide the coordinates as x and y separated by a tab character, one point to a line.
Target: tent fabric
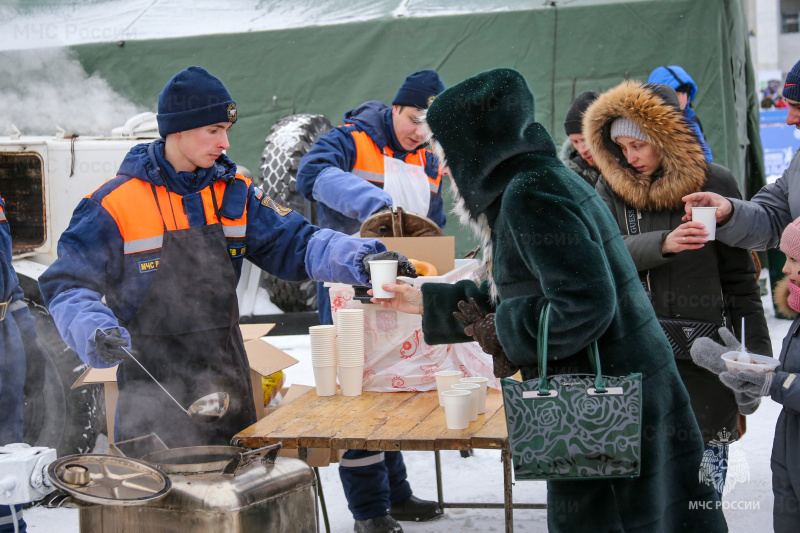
336	61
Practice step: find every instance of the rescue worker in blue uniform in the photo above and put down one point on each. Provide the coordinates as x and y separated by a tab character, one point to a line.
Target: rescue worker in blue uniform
163	242
375	161
17	337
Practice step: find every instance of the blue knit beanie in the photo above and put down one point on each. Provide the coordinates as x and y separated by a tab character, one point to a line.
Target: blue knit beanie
193	98
419	89
791	89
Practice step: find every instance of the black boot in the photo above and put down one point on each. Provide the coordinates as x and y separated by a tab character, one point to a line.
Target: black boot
379	524
413	509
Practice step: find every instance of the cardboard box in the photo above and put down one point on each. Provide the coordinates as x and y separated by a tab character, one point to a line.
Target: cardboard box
439	251
264	360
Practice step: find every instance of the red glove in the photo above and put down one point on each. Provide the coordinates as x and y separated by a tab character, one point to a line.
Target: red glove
481	327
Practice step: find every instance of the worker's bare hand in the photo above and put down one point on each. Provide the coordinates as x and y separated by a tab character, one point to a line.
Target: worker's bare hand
407	299
687	236
708	199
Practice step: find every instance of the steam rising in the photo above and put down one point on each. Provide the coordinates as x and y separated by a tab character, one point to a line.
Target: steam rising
45	88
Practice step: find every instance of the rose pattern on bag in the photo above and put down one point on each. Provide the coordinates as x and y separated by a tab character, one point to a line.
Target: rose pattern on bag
386	320
548	440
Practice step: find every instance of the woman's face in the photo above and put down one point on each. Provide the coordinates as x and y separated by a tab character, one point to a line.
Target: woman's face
641	155
792	270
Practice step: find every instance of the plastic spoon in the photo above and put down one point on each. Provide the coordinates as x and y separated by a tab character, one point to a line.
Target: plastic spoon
743	356
209	408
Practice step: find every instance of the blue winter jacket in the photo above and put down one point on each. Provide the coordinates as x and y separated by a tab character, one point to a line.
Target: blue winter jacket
92	263
675	79
344	200
18	326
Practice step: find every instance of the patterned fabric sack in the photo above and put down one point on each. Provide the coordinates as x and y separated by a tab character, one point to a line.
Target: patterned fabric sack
573	426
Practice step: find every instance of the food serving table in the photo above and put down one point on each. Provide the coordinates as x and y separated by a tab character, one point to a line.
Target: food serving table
388	421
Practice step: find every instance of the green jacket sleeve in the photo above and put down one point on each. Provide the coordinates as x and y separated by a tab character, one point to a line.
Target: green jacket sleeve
440	301
569	263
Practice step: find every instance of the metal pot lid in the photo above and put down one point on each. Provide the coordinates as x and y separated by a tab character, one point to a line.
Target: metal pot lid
109	480
194	459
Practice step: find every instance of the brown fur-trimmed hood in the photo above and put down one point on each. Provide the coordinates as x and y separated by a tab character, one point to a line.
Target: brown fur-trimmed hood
683	165
780	295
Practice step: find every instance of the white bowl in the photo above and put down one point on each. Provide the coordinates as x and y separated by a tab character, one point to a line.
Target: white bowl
758	363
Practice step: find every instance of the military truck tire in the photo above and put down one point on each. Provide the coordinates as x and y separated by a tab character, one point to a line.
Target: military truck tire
289	140
58	416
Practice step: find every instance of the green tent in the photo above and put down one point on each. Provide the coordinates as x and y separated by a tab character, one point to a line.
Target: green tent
561	47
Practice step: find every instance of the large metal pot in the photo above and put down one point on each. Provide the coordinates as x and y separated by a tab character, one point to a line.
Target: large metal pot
213	489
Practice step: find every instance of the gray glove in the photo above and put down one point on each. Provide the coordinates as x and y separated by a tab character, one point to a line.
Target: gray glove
708	354
110	345
754	384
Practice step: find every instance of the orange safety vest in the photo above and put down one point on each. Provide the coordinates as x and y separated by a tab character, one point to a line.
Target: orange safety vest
134	209
369	161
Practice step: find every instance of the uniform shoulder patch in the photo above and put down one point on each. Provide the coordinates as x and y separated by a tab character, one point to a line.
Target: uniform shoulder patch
266	201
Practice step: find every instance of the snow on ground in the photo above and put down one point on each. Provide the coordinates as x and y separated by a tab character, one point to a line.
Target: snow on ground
748	506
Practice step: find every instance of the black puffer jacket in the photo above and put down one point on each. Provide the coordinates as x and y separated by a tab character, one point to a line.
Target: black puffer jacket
716	283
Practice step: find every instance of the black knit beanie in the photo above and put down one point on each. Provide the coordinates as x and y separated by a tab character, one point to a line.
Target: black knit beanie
193	98
419	89
791	89
572	124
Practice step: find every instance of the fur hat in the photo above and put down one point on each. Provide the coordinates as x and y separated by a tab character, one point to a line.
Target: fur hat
419	89
790	240
573	122
622	127
791	89
193	98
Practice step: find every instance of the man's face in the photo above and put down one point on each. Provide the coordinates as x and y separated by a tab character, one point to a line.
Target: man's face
640	155
793	118
200	147
580	145
683	98
407	128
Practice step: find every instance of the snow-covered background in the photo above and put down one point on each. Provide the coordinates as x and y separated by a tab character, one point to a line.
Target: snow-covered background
748	506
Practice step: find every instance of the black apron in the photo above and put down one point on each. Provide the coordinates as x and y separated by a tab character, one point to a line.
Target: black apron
186	333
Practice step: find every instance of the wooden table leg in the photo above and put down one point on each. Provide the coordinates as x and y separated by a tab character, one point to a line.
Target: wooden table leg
508	496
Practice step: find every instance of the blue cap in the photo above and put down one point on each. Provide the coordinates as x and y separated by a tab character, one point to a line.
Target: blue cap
193	98
419	89
791	89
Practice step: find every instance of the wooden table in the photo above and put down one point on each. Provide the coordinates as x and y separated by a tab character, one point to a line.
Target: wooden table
384	421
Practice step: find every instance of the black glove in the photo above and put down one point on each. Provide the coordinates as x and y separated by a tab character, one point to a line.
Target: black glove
34	367
110	345
404	266
481	327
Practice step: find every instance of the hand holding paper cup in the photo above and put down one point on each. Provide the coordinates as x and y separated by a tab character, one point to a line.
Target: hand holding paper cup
708	217
381	272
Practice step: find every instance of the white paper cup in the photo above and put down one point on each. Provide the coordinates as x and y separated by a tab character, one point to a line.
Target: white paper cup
474	397
325	379
456	408
483	382
382	272
707	216
444	379
350	378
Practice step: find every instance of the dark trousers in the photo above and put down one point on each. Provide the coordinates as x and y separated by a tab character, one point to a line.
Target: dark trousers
373	481
7	520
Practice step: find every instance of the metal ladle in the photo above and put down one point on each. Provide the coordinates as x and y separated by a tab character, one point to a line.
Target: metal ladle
209	408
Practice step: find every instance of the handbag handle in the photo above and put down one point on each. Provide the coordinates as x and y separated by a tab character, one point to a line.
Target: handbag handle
541	349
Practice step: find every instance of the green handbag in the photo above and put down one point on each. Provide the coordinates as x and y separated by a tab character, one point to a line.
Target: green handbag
574	426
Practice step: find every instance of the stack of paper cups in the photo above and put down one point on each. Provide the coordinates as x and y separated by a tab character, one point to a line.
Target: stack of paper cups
350	347
323	358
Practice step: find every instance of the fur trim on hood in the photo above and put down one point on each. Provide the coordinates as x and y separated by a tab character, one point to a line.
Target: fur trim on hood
780	295
683	166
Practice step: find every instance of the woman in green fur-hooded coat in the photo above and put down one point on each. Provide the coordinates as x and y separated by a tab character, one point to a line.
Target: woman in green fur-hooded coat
554	240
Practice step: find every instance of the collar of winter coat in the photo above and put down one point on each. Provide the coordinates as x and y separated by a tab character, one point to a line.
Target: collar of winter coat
145	160
375	118
484	124
683	166
780	295
573	161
